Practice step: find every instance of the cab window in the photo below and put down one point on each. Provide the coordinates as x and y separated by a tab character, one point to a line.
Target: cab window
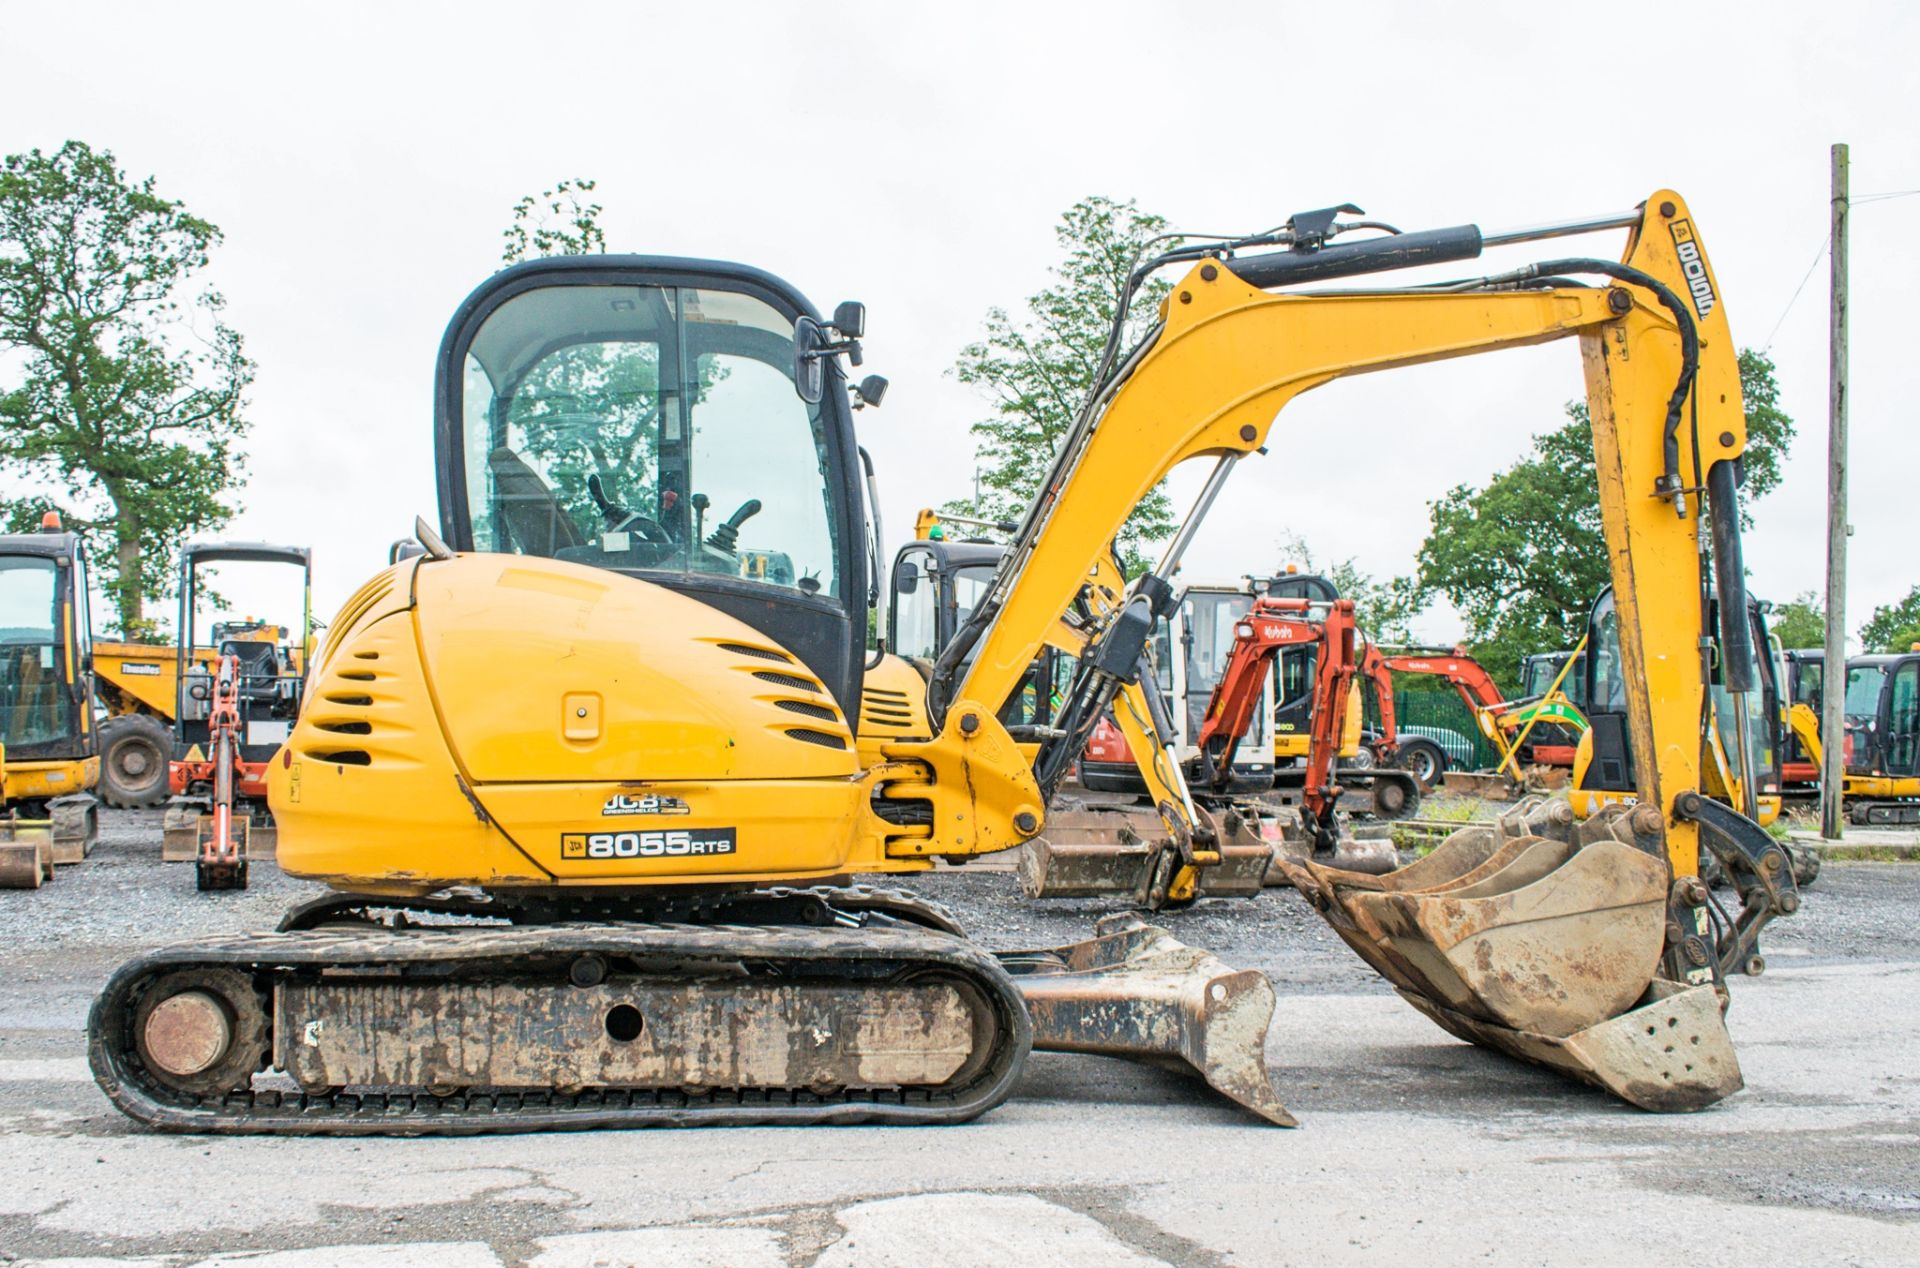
35	705
651	429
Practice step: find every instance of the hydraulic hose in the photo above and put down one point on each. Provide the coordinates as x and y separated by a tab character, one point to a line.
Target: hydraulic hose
1689	350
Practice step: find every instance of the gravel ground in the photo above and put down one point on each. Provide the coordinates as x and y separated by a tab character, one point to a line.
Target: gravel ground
1405	1132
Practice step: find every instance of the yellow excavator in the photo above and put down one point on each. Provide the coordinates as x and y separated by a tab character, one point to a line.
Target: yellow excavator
584	780
49	746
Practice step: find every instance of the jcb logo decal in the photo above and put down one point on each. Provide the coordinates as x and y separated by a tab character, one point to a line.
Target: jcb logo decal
1694	266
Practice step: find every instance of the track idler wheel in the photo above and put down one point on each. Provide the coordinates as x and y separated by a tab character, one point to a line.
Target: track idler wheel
201	1032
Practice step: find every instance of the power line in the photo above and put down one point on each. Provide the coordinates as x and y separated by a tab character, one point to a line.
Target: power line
1818	256
1821	254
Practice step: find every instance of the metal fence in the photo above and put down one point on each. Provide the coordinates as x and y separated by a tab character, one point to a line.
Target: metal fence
1446	710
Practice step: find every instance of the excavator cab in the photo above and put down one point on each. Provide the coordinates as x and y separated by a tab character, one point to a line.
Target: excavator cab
640	416
49	755
1604	762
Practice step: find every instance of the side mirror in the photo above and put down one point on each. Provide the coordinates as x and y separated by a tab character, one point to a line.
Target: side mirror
906	576
850	319
809	360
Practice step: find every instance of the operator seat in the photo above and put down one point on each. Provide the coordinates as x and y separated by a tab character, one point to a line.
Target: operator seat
534	520
259	667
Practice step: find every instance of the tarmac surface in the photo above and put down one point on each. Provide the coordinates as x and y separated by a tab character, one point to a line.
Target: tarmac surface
1413	1147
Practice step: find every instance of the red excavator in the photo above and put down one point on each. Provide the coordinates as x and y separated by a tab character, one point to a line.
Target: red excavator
1270	625
1509	724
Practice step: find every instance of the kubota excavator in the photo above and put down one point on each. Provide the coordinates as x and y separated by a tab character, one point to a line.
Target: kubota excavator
587	791
1507	723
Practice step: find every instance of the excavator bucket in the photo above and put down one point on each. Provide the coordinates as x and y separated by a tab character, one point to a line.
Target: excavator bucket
1094	850
1542	937
1135	991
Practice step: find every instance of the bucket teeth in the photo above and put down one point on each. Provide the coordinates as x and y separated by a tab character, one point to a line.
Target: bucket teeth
1136	991
1541	937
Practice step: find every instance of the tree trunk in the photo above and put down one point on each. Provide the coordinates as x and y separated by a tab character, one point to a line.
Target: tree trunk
126	554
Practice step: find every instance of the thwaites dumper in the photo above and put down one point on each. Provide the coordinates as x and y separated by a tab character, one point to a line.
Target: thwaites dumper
49	760
234	706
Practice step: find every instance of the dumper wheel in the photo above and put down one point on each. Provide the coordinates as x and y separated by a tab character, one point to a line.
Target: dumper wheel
134	751
1425	760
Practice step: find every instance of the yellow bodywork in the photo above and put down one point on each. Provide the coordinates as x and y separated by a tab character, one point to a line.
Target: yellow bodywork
1288	745
33	780
474	718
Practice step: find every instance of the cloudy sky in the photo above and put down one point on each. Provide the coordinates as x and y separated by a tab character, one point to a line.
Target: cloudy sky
363	160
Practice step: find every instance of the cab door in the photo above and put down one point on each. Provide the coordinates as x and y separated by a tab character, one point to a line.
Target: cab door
1900	722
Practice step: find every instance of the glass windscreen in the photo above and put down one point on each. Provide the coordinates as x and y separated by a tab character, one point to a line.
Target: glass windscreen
648	428
35	707
1807	676
970	585
1207	628
1863	692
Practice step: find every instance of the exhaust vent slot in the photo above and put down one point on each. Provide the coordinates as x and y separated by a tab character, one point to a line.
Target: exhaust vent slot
764	653
823	738
358	702
341	757
366	655
346	728
361	603
821	712
357	675
786	680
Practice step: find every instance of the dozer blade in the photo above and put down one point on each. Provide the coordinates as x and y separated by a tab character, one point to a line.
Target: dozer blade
1135	991
1100	851
1542	938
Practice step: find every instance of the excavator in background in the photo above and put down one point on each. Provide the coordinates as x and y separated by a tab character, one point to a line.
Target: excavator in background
233	711
1270	626
49	758
588	798
1508	724
1081	856
1190	650
1881	760
139	686
1602	762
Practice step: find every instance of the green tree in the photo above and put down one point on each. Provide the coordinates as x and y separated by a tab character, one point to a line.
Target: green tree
1522	558
1893	627
594	408
555	222
1799	622
128	403
1038	367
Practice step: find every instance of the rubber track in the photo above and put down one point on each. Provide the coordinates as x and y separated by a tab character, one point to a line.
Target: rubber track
858	954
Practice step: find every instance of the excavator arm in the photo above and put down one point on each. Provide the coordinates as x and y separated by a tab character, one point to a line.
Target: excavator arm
1211	381
1463	932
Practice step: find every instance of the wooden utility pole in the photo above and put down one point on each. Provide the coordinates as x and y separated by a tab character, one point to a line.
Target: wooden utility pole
1833	721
